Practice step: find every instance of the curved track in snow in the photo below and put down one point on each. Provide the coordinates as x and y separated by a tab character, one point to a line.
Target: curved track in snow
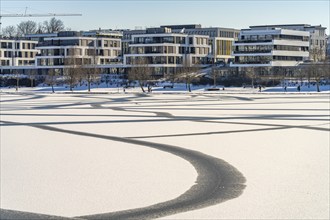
217	181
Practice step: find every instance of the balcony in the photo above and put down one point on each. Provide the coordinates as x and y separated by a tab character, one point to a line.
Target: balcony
254	41
252	52
251	62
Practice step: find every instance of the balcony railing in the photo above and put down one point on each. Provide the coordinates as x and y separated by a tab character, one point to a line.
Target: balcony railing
155	42
253	41
251	52
252	62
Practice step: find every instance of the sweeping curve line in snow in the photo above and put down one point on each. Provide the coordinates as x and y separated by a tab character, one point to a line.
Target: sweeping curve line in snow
158	114
217	181
30	97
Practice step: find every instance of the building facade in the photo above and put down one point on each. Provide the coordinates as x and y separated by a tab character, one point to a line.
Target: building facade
317	40
85	48
17	53
165	51
127	37
328	48
220	39
270	47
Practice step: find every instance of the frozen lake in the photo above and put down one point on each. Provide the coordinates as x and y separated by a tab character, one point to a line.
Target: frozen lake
169	156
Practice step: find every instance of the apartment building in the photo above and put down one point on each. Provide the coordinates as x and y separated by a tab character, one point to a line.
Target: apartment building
220	39
166	51
15	53
86	48
127	37
269	47
317	40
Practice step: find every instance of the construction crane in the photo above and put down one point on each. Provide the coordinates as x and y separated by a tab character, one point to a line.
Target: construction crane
31	15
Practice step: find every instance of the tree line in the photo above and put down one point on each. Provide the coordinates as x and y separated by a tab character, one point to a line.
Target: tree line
31	27
141	73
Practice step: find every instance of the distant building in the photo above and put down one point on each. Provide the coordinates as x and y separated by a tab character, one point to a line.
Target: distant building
166	48
270	46
220	39
166	51
102	49
17	53
127	37
317	41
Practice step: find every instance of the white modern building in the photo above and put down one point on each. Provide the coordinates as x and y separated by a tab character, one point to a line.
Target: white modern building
271	46
14	53
317	40
85	48
166	51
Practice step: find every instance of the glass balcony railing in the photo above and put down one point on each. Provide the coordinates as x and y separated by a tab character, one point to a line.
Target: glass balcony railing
253	41
252	52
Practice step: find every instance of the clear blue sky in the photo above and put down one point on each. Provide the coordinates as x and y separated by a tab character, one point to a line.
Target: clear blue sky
149	13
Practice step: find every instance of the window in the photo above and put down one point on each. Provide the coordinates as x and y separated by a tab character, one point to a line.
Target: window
192	50
3	45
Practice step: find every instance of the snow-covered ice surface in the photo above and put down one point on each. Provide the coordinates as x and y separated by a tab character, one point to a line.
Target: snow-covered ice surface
278	142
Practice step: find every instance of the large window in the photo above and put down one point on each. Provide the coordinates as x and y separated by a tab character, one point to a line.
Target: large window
3	45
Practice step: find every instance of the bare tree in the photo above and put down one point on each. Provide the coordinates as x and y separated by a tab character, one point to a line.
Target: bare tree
216	72
279	73
91	72
140	71
51	78
32	76
317	54
26	27
54	25
40	29
72	71
318	71
250	72
9	31
299	73
319	68
17	76
188	73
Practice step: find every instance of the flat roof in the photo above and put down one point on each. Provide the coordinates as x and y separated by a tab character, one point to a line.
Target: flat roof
289	25
277	25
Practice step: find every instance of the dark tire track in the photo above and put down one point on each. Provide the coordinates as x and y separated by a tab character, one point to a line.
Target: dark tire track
217	181
32	96
158	114
6	214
